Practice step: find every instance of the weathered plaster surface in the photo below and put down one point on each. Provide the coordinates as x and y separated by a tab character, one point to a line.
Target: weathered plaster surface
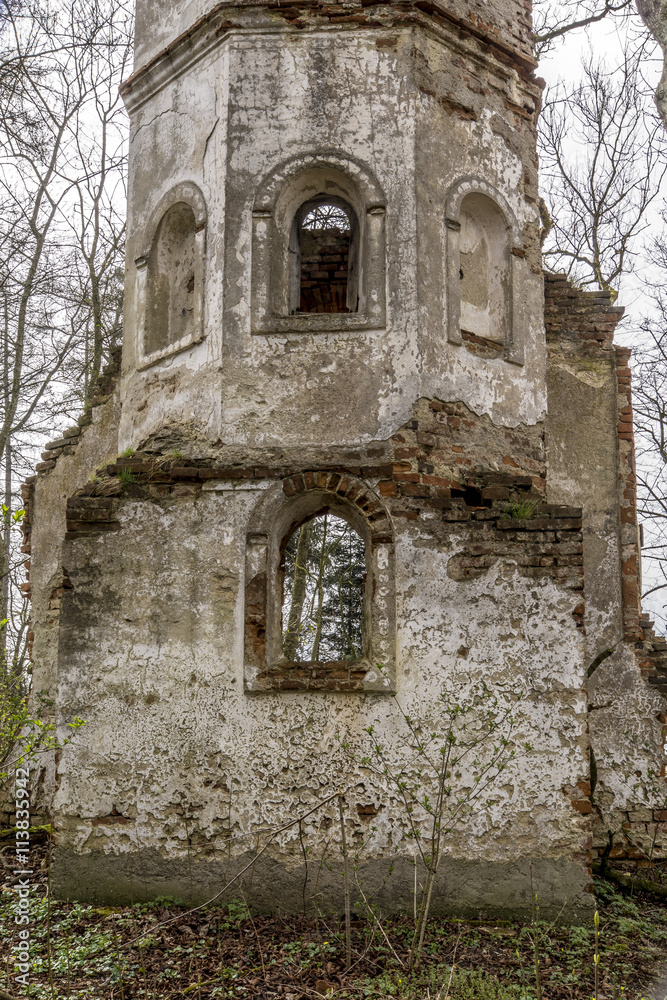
263	95
175	757
624	711
97	442
582	471
503	889
435	432
501	20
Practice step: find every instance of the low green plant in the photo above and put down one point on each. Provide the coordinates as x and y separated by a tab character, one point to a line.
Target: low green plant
308	953
12	518
237	911
126	476
23	735
79	942
596	954
160	901
143	949
128	453
519	510
440	982
482	986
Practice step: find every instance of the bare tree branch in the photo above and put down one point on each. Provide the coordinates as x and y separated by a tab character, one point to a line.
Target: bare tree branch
63	137
654	15
570	22
603	161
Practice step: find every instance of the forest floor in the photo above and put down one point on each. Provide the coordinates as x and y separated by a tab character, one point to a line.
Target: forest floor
162	951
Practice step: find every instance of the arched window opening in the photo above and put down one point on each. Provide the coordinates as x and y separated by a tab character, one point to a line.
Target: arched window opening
326	217
172	279
324	250
324	566
485	271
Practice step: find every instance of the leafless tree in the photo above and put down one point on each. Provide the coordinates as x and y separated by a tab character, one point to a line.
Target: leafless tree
62	204
602	151
650	410
603	159
654	15
554	19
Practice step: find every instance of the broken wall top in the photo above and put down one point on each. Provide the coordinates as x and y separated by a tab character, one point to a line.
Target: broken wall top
506	25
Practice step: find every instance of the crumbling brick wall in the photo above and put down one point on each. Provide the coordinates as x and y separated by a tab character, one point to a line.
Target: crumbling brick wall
324	272
592	462
448	478
385	413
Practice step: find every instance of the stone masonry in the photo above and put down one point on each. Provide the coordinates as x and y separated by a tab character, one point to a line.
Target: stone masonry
469	416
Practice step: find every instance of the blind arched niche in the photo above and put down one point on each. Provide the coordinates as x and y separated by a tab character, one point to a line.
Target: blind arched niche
483	281
172	280
170	276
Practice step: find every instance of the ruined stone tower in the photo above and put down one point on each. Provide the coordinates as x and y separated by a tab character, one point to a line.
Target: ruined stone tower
335	306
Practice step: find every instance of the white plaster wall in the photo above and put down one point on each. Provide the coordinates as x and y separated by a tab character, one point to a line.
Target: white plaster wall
174	754
151	658
625	712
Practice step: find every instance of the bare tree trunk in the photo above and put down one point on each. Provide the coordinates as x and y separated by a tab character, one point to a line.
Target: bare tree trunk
94	233
96	364
61	233
4	555
6	543
293	633
320	593
599	201
86	365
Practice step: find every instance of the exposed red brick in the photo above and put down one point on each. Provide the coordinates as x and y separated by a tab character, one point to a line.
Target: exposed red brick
387	489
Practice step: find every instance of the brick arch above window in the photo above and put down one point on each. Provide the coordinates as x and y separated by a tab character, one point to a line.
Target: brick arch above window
280	511
472	204
279	198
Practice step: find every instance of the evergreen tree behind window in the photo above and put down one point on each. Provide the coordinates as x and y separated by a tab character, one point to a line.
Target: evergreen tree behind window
324	570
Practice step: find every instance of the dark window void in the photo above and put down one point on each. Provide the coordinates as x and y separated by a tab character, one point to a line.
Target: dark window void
171	275
324	248
324	565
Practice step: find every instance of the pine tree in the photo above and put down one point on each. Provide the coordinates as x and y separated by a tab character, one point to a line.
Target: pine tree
324	591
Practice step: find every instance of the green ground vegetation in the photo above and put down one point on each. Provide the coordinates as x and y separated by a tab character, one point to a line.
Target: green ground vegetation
163	950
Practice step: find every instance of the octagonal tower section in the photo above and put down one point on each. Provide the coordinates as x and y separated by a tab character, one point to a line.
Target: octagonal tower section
416	124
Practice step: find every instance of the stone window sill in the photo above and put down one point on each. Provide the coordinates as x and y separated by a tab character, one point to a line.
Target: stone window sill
338	675
146	360
315	323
